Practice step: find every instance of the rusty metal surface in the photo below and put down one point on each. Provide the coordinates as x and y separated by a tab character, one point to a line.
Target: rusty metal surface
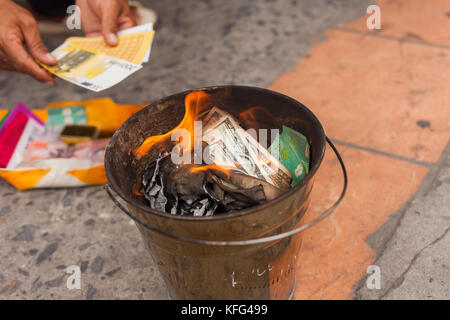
197	271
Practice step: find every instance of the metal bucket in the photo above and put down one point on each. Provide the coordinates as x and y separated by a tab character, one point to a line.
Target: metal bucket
249	254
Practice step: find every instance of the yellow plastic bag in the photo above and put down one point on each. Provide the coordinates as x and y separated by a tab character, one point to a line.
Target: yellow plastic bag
103	113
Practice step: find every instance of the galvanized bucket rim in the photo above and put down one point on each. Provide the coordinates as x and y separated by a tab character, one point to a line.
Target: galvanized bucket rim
254	241
314	167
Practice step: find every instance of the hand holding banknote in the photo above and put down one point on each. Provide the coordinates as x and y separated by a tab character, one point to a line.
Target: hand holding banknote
106	18
19	27
92	64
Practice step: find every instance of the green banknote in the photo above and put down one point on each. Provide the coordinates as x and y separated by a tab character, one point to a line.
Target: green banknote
293	150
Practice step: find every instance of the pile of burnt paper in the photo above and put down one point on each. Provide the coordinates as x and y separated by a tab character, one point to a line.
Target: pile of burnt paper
239	173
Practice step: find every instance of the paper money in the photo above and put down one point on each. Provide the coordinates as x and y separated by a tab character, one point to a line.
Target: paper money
229	142
148	27
225	158
89	69
92	64
213	116
133	47
293	149
234	146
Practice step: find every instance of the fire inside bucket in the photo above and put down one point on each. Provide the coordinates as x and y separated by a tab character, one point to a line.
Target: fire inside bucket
196	269
215	165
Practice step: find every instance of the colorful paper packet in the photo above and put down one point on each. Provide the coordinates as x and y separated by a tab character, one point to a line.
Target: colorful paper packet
16	132
58	118
86	168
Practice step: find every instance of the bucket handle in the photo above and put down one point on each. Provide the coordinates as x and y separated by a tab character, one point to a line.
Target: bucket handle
276	237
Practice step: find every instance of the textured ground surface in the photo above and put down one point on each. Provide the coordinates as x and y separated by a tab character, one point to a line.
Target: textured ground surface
382	95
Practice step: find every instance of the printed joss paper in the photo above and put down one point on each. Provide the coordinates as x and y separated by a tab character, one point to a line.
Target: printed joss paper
89	69
294	153
18	129
92	64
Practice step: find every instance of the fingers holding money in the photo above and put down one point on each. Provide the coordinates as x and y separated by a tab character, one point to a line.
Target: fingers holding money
35	44
105	18
19	60
18	27
116	16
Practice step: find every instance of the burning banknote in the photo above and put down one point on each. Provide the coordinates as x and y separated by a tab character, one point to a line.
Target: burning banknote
229	145
234	171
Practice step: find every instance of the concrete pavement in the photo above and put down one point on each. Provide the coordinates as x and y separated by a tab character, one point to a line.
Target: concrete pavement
414	258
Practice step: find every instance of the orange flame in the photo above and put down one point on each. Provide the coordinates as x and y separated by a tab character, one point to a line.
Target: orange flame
211	167
136	189
194	102
250	115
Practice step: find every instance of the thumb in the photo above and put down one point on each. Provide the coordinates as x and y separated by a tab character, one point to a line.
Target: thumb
110	17
35	45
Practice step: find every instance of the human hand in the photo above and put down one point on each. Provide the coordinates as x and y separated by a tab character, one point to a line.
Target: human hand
105	17
17	26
